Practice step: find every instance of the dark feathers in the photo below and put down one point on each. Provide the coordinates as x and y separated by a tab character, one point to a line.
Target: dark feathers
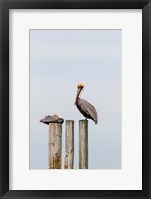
52	119
87	109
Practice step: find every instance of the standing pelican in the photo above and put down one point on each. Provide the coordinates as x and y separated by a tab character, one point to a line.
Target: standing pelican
52	119
85	107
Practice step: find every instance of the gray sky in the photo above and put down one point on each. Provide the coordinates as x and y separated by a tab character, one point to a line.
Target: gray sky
59	59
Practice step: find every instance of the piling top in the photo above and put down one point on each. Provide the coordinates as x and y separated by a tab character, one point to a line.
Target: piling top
69	120
83	120
55	125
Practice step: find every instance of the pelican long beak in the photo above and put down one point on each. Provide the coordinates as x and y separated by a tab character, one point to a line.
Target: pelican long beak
78	93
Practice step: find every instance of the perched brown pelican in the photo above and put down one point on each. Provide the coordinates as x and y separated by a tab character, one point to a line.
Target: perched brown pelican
85	107
52	119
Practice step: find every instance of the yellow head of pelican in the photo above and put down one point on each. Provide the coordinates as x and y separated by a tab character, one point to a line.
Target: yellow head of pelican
57	114
80	85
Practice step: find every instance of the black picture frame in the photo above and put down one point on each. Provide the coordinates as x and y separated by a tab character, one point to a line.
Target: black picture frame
145	5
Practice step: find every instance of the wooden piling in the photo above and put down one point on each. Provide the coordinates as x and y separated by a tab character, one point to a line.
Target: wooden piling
83	144
55	145
69	142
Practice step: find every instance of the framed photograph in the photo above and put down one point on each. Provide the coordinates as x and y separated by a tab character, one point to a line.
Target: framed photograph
75	98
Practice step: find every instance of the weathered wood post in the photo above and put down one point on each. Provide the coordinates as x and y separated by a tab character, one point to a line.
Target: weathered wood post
69	141
83	144
55	145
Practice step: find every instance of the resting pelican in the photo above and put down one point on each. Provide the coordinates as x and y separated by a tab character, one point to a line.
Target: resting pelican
85	107
52	119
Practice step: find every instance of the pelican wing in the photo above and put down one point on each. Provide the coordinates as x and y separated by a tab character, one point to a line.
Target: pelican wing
89	109
49	118
52	119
